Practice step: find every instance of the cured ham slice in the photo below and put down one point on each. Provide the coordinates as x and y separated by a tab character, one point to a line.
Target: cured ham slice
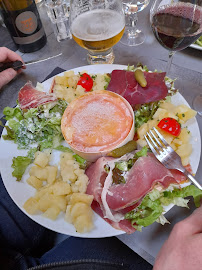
124	225
122	198
145	173
123	83
30	97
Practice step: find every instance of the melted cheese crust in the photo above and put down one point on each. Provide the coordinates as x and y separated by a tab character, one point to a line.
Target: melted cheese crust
97	121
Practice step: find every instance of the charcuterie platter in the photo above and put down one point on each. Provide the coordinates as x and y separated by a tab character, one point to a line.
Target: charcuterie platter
20	191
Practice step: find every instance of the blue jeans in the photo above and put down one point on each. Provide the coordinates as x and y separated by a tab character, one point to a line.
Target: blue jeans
25	244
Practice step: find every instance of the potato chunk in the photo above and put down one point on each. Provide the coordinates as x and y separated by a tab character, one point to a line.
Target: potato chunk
52	212
34	182
31	206
40	173
51	174
61	188
41	159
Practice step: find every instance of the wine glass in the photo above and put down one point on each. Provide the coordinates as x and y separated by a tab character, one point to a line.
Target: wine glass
97	25
176	24
132	35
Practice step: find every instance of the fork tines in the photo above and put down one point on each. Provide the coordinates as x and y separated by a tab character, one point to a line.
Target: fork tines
152	139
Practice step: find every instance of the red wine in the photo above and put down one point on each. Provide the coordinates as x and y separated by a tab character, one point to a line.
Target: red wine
174	28
24	24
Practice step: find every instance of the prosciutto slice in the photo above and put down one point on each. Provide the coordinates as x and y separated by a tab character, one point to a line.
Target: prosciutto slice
122	198
30	97
123	83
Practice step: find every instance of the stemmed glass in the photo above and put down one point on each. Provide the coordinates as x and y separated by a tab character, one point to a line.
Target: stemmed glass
176	24
97	25
132	35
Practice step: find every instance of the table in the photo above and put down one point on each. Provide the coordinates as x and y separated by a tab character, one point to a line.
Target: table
187	65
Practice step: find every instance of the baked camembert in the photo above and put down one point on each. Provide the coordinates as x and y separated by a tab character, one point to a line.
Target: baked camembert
97	123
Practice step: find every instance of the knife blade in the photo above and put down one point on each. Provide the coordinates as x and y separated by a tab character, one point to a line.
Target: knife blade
16	65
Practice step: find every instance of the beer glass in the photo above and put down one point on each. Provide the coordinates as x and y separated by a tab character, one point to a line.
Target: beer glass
97	25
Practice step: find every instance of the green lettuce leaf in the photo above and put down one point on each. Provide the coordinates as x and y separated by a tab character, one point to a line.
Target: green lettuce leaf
19	165
152	206
11	113
39	125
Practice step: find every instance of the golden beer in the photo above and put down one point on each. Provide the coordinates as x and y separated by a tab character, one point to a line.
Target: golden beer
98	30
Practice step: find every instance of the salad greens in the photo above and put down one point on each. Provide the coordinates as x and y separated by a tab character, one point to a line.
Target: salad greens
151	208
39	125
145	113
199	41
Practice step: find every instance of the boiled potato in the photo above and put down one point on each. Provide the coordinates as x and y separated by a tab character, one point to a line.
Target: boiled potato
40	173
42	191
60	201
72	81
34	182
69	73
80	197
160	114
79	209
45	202
184	113
81	184
142	130
184	136
83	224
51	174
184	150
41	159
62	80
52	212
69	94
79	91
31	206
167	106
61	188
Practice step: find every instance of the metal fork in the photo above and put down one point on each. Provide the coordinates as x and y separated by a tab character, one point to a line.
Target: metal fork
166	155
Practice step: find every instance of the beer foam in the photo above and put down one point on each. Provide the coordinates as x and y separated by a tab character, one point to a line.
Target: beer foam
185	10
96	25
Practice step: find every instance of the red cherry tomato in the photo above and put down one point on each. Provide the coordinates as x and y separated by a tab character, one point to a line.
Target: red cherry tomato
170	125
86	81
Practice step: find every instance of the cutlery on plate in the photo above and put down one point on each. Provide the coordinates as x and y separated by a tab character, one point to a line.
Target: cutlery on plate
166	155
18	64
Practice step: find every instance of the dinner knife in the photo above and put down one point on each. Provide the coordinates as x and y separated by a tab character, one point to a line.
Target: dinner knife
18	64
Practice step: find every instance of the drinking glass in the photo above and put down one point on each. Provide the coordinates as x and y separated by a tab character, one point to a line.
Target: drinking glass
132	35
58	12
176	24
97	25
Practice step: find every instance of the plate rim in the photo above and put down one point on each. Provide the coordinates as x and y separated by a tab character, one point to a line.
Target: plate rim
195	46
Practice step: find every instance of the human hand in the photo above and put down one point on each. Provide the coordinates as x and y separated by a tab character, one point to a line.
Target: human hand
7	75
182	250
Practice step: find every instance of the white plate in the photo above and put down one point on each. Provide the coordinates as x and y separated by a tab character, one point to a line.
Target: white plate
21	191
195	46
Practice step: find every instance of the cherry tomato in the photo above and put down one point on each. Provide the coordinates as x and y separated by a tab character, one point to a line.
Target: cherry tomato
170	125
86	81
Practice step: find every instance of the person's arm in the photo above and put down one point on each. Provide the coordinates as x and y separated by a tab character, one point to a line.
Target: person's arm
183	249
7	75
